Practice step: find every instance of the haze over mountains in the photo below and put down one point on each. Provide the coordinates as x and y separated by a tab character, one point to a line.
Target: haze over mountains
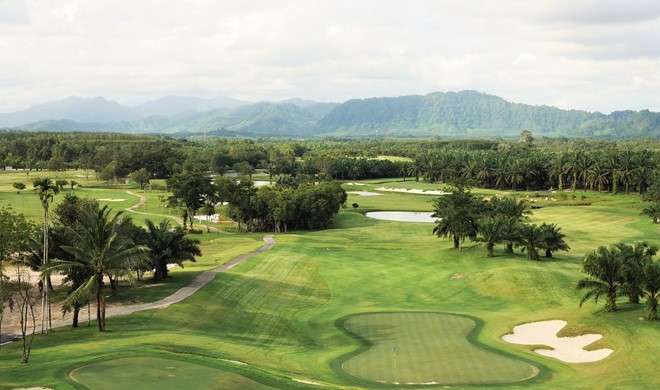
450	114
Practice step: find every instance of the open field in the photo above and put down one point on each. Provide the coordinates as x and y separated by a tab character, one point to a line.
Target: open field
276	319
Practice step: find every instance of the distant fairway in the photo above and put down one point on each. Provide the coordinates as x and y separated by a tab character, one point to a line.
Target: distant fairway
158	373
426	348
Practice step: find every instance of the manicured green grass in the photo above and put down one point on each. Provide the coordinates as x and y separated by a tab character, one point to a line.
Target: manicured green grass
157	373
278	311
426	348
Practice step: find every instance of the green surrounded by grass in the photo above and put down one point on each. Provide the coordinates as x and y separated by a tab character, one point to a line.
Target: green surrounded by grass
158	373
426	349
278	311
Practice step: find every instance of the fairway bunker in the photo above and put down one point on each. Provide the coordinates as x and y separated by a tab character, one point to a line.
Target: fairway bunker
425	349
158	373
364	193
566	349
402	216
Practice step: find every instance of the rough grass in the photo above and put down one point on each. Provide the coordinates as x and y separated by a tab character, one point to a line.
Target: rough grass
278	311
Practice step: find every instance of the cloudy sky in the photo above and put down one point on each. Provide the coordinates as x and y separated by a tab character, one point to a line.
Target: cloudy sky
596	55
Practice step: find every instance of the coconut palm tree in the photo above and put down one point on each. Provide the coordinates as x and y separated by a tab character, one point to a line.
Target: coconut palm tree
46	190
102	249
604	269
651	288
168	246
553	239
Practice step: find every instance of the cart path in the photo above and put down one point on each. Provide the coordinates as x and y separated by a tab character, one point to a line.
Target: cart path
143	200
200	281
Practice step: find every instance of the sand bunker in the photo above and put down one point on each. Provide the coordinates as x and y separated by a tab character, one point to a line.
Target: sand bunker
566	349
413	191
210	218
364	193
354	184
110	200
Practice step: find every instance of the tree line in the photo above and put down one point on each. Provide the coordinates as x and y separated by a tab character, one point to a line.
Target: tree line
290	203
499	220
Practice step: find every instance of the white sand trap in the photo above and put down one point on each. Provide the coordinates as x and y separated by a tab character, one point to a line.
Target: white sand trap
413	191
211	218
354	184
566	349
364	193
110	200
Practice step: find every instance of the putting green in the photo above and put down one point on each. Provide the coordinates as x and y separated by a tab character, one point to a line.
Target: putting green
158	373
426	348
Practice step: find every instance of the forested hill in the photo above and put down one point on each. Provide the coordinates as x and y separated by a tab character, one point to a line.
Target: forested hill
470	113
465	114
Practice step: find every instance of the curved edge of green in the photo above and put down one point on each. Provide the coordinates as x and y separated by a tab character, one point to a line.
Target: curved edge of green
214	362
543	375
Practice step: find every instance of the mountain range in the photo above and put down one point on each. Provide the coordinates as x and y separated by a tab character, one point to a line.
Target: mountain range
441	114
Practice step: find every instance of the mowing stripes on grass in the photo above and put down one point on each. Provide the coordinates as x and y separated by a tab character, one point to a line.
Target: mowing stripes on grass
426	348
158	374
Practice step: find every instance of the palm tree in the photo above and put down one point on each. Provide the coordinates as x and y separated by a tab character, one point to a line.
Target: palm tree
553	239
653	211
604	268
490	233
509	207
558	169
651	288
46	190
168	246
634	260
102	249
531	238
457	213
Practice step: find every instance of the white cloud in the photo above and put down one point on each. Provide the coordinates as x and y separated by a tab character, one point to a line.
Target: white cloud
595	55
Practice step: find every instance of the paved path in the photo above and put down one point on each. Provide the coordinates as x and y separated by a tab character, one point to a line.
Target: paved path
200	281
143	200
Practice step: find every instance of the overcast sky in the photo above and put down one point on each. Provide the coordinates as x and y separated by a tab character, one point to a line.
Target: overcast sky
596	55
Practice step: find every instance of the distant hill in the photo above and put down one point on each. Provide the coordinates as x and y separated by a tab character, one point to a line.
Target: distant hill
262	119
173	105
72	108
451	114
470	113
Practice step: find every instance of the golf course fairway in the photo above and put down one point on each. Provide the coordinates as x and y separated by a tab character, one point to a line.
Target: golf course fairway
426	349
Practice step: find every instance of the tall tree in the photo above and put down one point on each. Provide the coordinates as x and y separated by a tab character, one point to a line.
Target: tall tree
168	246
101	248
457	214
190	189
604	269
14	235
490	233
553	239
634	259
651	287
531	239
46	190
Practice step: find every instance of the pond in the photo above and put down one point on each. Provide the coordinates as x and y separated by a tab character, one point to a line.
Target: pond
402	216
